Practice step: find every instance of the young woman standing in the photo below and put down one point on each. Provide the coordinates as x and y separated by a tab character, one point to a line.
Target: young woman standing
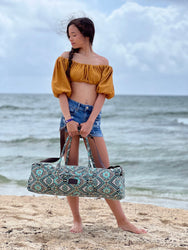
82	80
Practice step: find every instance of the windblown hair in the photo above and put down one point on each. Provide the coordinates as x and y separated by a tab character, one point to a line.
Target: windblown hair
87	29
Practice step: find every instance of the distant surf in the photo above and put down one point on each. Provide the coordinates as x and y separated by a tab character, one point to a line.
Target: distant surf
147	135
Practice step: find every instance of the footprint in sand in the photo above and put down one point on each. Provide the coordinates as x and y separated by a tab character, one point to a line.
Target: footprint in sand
142	214
16	206
21	218
165	222
184	225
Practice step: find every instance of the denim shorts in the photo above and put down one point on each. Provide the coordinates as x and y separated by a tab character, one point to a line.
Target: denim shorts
80	113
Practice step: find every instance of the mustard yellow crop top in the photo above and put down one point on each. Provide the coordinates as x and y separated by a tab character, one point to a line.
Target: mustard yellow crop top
100	75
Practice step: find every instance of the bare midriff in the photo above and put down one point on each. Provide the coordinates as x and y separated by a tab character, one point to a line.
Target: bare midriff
84	93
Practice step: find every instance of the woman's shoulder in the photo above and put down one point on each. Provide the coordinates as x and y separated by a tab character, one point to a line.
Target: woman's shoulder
63	58
65	54
102	60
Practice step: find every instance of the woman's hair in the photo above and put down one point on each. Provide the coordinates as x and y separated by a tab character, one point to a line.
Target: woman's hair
87	29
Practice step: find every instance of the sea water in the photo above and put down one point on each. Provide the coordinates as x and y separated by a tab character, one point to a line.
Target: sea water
146	135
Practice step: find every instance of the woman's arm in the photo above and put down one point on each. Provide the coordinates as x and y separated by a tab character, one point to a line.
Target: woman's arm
87	126
63	101
72	126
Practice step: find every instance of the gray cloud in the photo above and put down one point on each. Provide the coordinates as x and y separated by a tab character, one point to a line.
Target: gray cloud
145	43
150	44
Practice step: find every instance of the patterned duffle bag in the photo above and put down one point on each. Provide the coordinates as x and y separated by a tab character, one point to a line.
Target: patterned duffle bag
54	177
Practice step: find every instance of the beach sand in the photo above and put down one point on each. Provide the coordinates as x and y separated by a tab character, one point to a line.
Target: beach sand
43	222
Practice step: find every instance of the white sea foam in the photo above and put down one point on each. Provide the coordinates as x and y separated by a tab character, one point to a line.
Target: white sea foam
183	121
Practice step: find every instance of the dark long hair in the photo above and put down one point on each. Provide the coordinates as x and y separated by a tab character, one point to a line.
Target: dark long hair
87	29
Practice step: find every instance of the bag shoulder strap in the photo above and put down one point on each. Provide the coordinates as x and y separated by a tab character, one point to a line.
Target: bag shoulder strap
68	141
54	159
98	154
50	160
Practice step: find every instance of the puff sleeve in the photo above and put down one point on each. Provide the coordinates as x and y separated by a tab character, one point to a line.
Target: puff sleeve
105	86
60	82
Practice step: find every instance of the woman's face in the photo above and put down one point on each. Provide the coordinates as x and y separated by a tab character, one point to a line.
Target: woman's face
75	37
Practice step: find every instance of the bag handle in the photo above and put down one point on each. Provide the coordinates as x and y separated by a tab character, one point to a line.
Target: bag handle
68	142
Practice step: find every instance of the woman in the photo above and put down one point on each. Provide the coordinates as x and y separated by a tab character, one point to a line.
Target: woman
82	80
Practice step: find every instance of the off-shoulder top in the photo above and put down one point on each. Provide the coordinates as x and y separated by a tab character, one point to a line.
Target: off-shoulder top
99	75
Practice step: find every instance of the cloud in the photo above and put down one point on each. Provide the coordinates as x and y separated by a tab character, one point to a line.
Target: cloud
150	38
146	43
149	41
29	32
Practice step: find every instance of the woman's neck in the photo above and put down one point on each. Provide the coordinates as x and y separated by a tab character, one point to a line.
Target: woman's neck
86	51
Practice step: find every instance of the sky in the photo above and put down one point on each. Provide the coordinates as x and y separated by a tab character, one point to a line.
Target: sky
145	41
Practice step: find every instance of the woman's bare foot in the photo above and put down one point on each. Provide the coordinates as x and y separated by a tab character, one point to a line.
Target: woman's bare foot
77	227
127	226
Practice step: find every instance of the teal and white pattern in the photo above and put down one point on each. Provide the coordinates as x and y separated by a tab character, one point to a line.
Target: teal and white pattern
67	180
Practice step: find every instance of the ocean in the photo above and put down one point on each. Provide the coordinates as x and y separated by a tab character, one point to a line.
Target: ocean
146	135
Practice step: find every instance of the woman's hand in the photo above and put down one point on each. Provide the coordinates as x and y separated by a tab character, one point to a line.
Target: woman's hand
86	128
72	128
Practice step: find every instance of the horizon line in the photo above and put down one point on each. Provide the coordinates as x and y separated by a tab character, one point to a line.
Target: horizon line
22	93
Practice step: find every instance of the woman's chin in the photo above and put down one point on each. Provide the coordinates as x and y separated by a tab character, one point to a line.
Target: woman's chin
74	46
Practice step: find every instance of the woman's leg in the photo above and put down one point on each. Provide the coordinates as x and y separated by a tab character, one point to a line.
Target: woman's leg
115	205
74	201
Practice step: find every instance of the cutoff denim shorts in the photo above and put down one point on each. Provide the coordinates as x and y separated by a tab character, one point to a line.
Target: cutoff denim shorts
80	113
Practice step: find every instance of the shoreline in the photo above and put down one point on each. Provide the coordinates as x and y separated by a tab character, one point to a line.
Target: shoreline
43	222
16	190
